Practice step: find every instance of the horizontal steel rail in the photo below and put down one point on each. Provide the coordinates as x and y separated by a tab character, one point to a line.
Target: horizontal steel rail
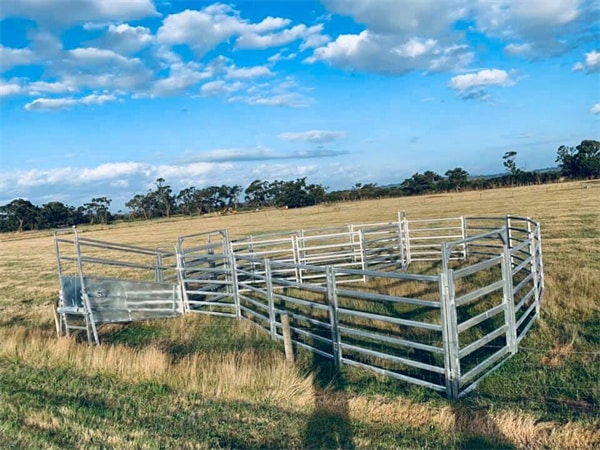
260	277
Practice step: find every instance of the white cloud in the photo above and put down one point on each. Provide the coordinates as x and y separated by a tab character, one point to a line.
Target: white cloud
591	64
203	30
314	136
486	77
404	19
99	56
182	76
292	100
12	57
218	87
400	37
110	171
125	39
50	104
11	88
189	172
524	50
244	73
389	54
544	28
280	56
97	99
472	85
101	69
406	35
592	61
74	11
595	109
54	104
44	87
311	36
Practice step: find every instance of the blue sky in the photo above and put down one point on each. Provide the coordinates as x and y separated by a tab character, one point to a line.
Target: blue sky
101	97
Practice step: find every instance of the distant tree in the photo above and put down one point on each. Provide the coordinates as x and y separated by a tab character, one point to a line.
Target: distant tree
189	201
97	210
164	198
140	206
509	162
57	214
20	215
421	183
456	178
582	161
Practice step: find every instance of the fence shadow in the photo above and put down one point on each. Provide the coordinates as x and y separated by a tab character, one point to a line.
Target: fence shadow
477	430
329	426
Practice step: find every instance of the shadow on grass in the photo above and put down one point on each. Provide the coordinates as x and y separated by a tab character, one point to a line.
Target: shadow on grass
329	426
475	429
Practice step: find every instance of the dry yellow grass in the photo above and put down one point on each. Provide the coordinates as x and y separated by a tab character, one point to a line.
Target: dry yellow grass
570	217
248	377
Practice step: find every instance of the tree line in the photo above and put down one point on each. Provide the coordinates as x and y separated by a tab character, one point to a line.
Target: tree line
580	162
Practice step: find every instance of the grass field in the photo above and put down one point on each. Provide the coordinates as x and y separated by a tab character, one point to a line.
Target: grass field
202	382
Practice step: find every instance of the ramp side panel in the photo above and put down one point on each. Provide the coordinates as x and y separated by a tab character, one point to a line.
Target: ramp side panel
116	300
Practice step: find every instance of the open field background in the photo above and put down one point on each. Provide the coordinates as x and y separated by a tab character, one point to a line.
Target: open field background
201	382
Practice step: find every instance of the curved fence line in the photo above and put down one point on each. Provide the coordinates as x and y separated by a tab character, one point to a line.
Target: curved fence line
440	303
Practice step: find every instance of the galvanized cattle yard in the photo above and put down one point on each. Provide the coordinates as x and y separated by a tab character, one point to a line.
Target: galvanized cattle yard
440	303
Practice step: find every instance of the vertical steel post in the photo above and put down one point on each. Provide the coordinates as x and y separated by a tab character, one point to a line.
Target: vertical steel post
233	276
184	306
533	266
332	303
449	327
58	318
406	238
363	248
465	233
296	256
509	301
158	275
540	259
509	239
89	317
234	286
271	305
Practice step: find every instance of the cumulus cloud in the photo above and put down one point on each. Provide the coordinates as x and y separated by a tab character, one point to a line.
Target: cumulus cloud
219	87
119	179
125	39
595	109
44	87
402	36
472	85
203	30
523	50
182	76
281	56
311	37
402	18
55	104
313	136
390	54
247	72
8	89
591	64
77	11
102	69
12	57
540	28
399	37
